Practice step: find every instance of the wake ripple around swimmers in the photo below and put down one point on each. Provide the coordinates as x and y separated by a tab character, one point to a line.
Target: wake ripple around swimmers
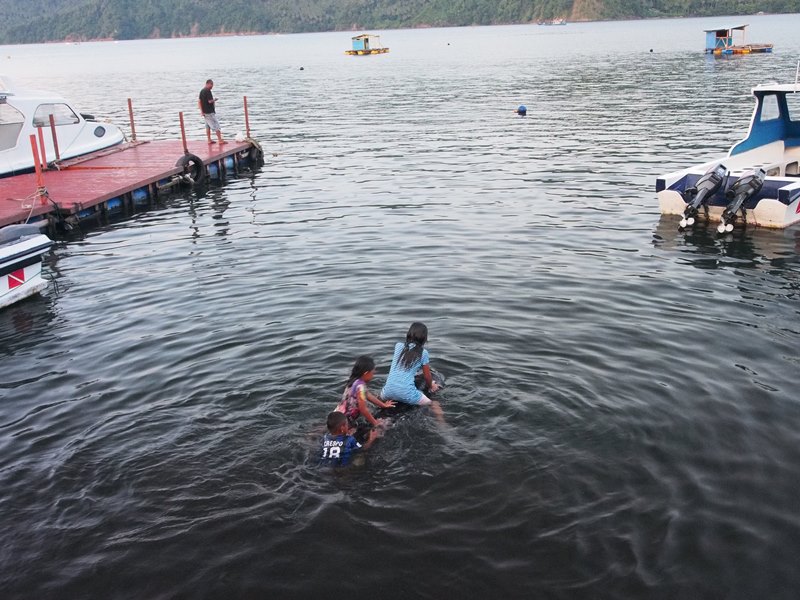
400	411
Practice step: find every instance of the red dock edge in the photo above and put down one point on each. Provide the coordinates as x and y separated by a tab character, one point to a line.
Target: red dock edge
114	180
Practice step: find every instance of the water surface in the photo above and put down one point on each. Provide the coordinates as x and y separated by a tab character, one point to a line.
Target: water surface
622	415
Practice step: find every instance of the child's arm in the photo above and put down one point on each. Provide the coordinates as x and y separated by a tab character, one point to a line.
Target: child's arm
429	382
378	402
362	406
373	435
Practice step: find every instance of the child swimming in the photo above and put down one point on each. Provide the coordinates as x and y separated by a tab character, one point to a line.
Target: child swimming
355	396
407	359
338	446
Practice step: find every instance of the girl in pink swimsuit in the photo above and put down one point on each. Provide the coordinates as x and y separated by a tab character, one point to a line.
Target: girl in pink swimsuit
356	394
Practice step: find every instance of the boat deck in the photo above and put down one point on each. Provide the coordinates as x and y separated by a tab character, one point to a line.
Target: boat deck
366	52
108	180
746	49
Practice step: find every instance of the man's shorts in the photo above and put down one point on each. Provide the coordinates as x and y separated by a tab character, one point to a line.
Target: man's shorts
211	121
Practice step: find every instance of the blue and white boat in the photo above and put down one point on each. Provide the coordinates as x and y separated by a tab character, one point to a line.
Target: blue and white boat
21	251
757	183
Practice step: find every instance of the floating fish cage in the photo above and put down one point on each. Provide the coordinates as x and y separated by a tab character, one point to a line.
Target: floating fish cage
366	43
727	41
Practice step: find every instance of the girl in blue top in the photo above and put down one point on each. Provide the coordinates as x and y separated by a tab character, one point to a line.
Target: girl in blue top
407	359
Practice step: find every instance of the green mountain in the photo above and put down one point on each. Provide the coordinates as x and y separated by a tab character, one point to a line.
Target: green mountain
28	21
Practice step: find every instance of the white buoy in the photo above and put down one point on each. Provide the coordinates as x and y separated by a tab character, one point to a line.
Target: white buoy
683	223
729	227
690	221
721	228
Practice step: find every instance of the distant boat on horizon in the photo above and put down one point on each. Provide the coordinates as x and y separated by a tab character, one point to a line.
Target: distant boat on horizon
558	21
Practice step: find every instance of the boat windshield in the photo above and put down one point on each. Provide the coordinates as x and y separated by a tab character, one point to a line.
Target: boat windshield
11	121
769	108
62	114
793	104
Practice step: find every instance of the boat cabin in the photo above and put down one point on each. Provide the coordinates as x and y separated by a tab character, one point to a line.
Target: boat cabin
776	118
732	41
23	113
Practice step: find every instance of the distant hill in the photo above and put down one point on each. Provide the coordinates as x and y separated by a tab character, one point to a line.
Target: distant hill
28	21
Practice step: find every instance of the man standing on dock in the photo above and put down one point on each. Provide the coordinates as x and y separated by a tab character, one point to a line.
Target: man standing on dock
206	104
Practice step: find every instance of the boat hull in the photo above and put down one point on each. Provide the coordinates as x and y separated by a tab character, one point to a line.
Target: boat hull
767	212
776	205
18	164
21	263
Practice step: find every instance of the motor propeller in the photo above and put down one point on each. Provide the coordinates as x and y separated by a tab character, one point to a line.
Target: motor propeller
749	184
697	195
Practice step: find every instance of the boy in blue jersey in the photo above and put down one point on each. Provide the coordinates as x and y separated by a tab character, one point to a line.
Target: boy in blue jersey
338	446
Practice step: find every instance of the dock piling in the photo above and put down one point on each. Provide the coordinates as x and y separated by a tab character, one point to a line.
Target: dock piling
183	134
40	189
55	137
41	148
246	119
130	114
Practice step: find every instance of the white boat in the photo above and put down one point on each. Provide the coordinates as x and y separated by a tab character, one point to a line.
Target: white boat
24	112
757	182
21	250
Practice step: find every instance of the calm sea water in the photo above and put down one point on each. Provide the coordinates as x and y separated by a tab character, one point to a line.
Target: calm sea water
622	407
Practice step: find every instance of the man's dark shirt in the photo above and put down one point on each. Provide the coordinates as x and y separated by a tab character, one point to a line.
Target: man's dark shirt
205	105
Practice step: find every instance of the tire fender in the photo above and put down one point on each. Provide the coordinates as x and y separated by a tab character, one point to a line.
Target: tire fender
256	156
193	167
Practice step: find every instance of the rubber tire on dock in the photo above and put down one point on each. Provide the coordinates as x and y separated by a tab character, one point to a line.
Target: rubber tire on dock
256	156
193	167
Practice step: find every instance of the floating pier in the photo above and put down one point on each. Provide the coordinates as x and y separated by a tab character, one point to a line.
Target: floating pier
118	180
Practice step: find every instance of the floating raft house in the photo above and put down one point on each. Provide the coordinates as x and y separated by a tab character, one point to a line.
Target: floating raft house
721	41
366	43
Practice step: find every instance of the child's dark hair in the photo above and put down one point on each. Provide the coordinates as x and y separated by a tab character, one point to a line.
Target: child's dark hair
364	364
417	335
335	421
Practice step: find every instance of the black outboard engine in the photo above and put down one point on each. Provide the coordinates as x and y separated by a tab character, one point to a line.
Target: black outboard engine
697	195
749	184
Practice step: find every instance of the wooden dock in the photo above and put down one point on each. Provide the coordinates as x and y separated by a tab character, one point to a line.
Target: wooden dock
117	180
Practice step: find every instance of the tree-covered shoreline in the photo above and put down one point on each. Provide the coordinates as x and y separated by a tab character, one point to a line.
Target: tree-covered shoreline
36	21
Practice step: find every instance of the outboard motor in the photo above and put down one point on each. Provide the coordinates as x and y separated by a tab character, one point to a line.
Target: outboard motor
697	195
749	184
